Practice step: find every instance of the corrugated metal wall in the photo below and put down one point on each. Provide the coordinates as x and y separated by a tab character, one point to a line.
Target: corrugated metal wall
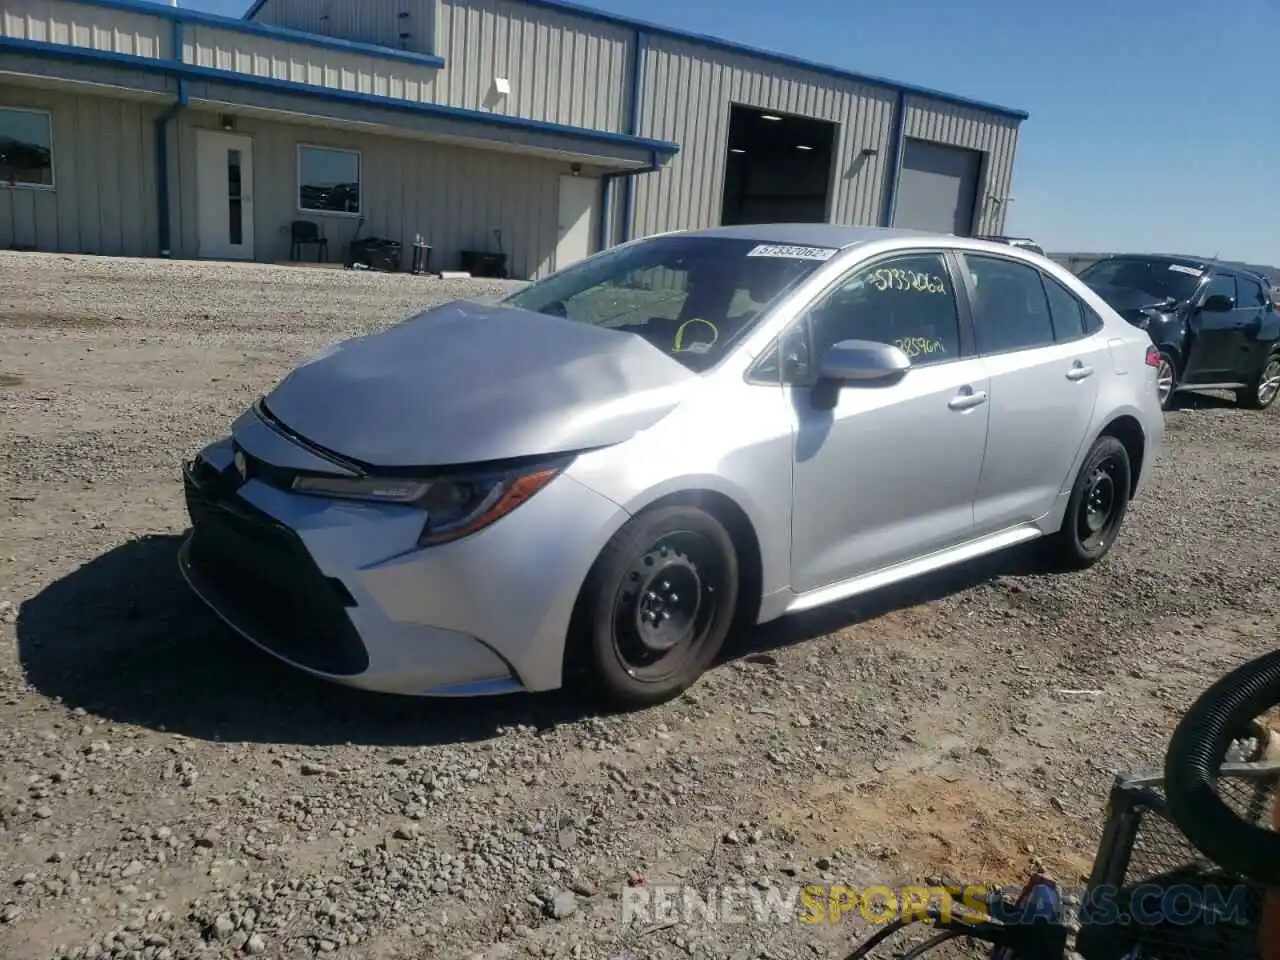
454	196
100	28
369	21
278	59
562	68
994	136
103	199
686	95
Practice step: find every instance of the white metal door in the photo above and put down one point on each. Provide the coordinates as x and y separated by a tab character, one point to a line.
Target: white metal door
224	195
577	214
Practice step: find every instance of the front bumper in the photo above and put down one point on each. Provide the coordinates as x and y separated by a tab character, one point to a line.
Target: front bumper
339	590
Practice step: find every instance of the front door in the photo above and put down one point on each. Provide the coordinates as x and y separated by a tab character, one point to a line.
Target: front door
577	214
224	195
889	473
1215	336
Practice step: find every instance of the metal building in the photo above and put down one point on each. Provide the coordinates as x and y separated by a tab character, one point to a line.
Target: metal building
535	128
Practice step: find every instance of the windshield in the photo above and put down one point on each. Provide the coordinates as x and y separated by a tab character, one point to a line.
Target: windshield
691	297
1157	279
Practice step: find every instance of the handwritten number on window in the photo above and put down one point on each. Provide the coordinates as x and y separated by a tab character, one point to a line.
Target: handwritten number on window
893	278
919	346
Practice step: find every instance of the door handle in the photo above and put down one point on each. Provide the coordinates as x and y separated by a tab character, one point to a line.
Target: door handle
1079	371
966	400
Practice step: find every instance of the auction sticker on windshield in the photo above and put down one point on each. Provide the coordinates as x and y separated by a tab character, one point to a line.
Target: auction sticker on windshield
792	253
1181	269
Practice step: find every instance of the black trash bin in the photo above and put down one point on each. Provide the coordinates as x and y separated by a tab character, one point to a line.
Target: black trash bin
376	253
481	263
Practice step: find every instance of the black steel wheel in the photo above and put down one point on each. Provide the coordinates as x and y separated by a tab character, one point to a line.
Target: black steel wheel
1097	507
1264	389
656	607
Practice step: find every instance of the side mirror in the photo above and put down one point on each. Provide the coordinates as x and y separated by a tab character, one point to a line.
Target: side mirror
1218	303
863	362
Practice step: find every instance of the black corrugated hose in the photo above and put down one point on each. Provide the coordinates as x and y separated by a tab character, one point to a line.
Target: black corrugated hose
1197	751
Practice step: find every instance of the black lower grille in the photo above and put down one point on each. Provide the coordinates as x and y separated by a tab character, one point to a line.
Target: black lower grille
266	576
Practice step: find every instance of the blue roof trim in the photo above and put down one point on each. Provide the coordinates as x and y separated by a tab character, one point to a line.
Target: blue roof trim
183	15
190	71
730	46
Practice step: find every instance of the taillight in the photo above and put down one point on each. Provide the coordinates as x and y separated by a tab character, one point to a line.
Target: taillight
1153	356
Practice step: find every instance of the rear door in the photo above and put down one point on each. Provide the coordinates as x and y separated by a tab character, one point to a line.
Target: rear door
1215	336
1253	307
1044	364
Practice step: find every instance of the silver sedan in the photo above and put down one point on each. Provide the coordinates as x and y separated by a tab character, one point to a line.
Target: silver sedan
595	479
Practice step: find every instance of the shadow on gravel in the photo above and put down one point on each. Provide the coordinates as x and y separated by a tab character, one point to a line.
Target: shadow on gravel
1024	560
1190	402
124	638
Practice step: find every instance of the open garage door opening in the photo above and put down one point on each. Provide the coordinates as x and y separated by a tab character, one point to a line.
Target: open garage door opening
778	169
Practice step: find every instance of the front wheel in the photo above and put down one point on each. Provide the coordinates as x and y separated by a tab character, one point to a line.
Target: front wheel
656	607
1264	389
1096	509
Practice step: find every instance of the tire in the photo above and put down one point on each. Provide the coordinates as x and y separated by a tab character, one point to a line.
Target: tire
677	560
1168	369
1264	389
1097	506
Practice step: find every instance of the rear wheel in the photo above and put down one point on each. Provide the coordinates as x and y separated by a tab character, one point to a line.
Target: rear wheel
1264	389
1096	509
1166	379
656	607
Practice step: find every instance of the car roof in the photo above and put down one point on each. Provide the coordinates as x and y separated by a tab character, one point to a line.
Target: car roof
1201	263
1179	258
838	235
809	234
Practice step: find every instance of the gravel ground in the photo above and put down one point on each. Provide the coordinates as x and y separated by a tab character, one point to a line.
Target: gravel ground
167	792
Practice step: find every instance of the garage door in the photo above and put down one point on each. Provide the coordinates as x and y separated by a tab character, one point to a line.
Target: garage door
937	188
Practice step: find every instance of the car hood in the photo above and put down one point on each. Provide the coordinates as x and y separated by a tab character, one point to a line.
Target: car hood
466	383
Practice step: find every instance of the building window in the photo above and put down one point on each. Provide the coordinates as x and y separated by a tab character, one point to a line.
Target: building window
328	180
26	148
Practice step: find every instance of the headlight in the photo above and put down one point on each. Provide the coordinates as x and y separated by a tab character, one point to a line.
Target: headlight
362	488
455	506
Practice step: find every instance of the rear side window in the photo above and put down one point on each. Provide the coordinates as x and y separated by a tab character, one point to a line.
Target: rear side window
1066	312
1011	311
1251	293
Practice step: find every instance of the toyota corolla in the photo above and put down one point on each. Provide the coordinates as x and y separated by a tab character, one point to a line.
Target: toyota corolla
591	481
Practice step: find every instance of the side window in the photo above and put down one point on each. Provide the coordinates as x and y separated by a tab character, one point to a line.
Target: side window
787	361
1251	295
1221	285
1066	312
906	301
1011	311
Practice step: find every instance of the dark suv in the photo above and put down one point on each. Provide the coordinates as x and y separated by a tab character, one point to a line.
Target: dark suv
1216	326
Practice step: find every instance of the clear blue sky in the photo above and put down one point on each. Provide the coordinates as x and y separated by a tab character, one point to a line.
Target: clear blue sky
1155	124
